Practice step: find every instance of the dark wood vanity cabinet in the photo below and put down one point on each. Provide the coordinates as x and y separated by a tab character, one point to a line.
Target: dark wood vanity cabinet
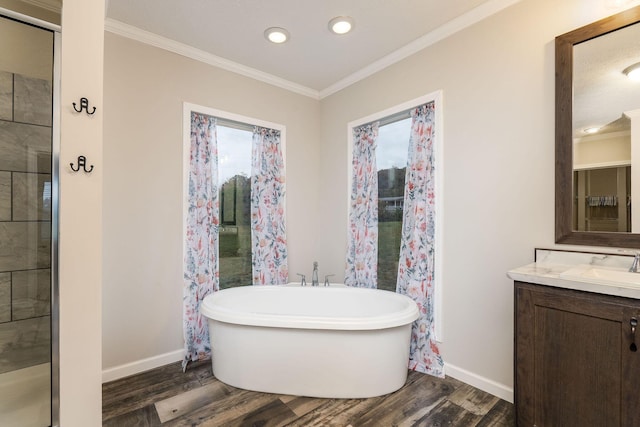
576	363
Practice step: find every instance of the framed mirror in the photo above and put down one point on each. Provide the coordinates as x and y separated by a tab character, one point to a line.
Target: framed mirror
598	133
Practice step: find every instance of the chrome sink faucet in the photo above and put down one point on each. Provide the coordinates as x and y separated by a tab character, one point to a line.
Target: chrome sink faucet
636	262
314	275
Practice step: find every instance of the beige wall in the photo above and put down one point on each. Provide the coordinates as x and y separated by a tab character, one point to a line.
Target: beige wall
610	149
497	79
145	88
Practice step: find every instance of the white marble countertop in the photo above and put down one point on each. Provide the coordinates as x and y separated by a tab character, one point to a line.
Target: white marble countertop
563	269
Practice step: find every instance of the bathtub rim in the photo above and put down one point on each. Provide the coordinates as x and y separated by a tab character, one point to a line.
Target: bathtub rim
408	314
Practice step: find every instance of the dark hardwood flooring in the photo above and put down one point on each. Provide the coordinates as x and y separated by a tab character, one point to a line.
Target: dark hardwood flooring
168	397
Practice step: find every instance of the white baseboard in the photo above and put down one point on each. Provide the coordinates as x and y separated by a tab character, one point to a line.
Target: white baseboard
138	366
484	384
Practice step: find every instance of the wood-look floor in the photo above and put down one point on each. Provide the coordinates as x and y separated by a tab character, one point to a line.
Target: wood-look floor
168	397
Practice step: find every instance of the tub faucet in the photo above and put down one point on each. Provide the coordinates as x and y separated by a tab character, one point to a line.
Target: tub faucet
314	275
636	262
326	279
303	281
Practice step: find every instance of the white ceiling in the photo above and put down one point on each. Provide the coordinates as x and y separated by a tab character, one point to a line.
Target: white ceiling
314	59
601	93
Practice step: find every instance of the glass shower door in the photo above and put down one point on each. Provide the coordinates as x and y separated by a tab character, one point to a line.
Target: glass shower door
26	124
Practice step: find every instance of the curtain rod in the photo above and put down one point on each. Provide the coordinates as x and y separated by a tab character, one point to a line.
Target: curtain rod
396	117
233	124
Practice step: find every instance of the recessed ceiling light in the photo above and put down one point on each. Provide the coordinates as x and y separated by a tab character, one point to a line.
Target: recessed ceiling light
341	24
633	71
276	35
591	130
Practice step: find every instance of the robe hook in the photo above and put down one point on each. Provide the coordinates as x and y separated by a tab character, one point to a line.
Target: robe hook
82	163
84	104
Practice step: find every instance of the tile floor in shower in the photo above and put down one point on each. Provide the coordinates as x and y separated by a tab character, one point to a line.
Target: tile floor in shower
25	397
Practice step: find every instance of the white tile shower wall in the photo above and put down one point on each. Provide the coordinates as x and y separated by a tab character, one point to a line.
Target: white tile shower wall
6	95
22	144
25	220
31	100
5	297
5	196
30	293
28	200
29	342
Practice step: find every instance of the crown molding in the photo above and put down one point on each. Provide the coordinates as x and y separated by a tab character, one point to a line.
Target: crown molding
135	33
51	5
458	24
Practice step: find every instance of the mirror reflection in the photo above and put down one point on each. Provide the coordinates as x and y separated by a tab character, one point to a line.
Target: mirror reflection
606	116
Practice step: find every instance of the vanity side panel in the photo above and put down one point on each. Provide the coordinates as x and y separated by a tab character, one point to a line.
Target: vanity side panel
523	358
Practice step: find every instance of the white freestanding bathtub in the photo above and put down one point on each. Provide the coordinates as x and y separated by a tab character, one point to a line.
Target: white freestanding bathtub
333	342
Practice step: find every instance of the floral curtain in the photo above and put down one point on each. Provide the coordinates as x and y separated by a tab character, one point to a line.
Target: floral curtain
201	275
362	240
268	237
416	266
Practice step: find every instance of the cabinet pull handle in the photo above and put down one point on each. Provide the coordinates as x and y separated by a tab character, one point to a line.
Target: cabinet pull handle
633	322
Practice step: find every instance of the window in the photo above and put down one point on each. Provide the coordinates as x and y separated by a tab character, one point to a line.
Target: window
245	246
391	162
391	157
234	186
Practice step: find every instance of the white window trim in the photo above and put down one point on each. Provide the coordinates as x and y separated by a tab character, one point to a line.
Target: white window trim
436	97
187	109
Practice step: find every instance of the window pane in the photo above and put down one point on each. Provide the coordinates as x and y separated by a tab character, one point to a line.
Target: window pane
234	180
391	158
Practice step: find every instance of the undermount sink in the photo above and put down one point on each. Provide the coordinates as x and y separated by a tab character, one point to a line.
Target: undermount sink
603	275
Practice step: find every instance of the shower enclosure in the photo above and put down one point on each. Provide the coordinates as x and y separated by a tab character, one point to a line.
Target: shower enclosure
28	216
